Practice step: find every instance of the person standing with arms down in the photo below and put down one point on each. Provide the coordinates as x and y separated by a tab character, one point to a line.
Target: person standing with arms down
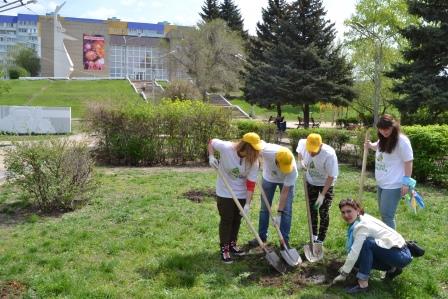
239	165
393	166
321	169
279	170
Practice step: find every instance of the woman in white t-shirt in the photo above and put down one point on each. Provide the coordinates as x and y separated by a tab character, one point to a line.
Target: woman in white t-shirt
239	165
393	166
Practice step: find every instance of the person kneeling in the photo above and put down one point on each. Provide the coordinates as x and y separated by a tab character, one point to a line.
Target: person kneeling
371	244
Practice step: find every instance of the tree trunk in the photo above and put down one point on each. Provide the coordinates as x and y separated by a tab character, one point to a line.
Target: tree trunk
279	110
306	116
377	82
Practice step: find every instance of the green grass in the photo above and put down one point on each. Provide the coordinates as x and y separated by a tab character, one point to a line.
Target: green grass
141	237
74	94
290	112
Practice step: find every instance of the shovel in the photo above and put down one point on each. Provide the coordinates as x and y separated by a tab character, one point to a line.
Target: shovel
363	167
313	251
290	255
272	257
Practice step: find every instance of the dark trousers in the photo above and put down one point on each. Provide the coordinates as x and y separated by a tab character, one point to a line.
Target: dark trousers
313	193
229	224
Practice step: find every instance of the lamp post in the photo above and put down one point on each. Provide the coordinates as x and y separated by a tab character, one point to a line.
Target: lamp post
126	51
153	79
252	108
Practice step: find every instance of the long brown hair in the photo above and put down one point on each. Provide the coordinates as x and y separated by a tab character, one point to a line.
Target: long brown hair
352	203
250	153
387	145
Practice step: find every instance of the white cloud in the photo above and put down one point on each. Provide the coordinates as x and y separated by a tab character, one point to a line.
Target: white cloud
133	3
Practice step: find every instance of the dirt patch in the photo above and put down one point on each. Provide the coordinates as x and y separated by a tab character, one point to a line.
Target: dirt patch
116	170
19	212
12	289
199	195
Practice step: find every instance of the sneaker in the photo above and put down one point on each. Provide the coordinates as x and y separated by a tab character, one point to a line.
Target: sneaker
393	273
254	243
235	250
225	254
357	289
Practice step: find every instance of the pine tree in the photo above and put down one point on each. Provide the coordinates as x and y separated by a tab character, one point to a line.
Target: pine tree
315	69
230	13
423	79
210	10
260	86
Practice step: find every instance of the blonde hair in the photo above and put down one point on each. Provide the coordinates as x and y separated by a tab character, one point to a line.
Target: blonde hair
251	154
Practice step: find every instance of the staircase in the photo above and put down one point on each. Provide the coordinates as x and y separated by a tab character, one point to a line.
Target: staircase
219	100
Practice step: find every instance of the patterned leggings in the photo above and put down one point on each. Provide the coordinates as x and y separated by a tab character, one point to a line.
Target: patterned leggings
313	192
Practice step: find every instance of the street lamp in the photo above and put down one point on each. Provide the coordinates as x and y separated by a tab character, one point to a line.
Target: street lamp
153	79
252	108
126	51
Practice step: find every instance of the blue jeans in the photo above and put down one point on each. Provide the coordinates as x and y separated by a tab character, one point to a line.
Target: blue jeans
388	200
373	256
263	222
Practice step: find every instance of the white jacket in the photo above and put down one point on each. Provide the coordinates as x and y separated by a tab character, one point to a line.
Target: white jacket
369	226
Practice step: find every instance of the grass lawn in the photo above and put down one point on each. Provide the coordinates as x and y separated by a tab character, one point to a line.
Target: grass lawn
75	94
141	237
290	112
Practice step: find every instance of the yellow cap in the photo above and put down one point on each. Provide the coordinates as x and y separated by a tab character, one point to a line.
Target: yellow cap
313	142
284	160
254	140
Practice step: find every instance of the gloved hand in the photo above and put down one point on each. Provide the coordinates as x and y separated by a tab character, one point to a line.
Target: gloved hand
301	165
278	219
339	278
213	161
319	201
246	209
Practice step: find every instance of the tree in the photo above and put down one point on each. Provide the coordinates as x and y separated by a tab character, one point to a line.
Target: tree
230	13
374	41
315	68
423	78
210	10
26	58
211	54
260	88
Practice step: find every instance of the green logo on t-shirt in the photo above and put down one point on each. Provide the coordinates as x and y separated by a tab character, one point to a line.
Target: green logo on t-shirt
380	157
312	165
235	172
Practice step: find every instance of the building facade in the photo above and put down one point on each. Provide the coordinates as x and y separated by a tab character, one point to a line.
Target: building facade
97	48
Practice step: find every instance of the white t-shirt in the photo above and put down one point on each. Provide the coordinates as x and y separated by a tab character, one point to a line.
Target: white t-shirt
320	166
389	168
234	169
271	172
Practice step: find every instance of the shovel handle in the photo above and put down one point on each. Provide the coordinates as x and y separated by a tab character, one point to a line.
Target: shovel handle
363	167
308	211
268	206
226	183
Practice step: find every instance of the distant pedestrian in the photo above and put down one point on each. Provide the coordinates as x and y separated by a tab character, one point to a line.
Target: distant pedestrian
239	164
393	166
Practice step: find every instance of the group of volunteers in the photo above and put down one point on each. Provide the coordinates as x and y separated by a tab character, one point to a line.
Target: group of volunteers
371	243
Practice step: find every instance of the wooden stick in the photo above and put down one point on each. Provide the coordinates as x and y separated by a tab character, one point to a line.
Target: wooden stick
363	167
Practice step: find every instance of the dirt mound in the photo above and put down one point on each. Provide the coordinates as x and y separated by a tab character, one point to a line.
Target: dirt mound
11	289
199	195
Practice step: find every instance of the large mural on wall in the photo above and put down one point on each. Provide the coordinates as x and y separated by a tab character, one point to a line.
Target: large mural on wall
93	52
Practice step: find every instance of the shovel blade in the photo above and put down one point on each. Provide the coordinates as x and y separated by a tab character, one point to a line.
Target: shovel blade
276	262
291	257
313	253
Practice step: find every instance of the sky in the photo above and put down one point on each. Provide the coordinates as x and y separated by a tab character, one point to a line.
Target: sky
179	12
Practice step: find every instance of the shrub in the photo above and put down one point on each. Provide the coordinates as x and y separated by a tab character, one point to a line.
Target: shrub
430	147
55	174
15	72
170	133
181	90
265	130
336	138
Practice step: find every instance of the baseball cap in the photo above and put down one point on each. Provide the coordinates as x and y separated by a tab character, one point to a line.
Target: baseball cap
254	140
284	160
313	142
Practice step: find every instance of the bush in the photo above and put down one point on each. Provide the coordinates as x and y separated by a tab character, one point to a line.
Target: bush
181	90
170	133
265	130
430	147
55	174
15	72
336	138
